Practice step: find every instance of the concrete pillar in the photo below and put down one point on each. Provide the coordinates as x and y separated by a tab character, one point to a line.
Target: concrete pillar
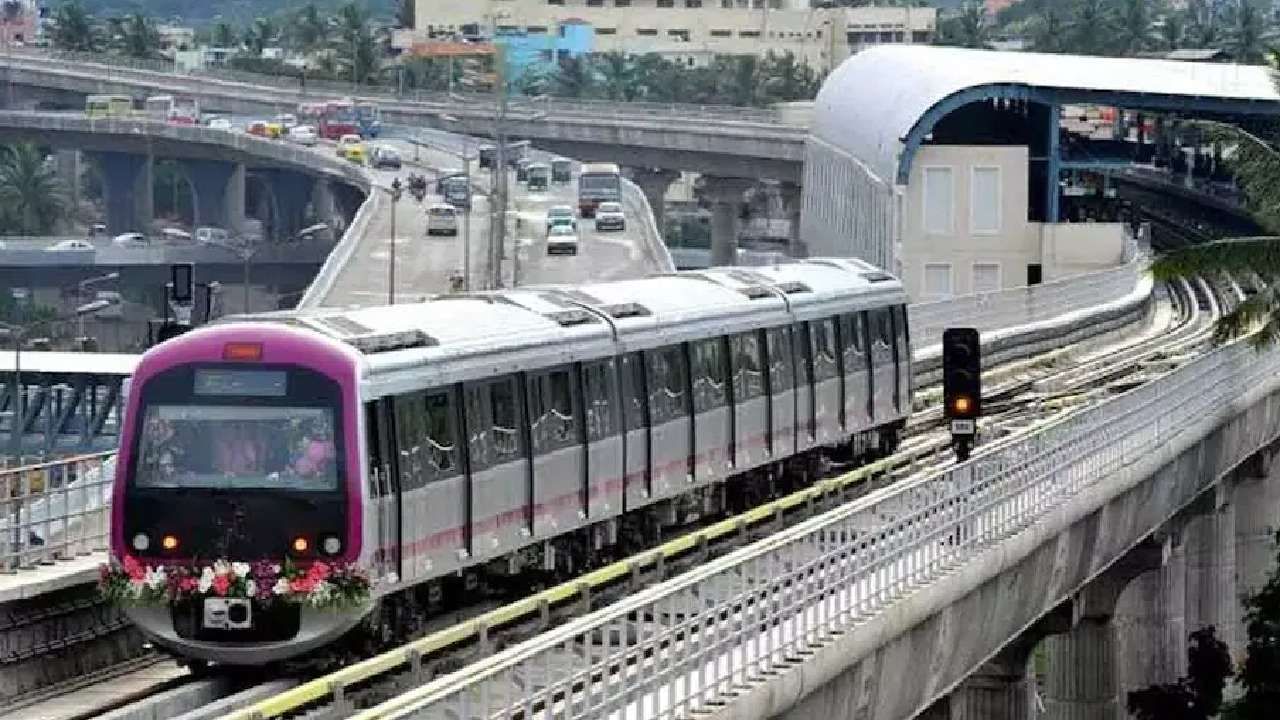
999	690
69	171
292	192
127	187
323	204
1209	537
725	196
1081	676
218	188
791	201
654	183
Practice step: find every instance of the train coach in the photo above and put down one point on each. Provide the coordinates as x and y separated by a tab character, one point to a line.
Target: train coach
515	431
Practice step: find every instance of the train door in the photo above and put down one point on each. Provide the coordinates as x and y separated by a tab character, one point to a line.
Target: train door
558	449
713	412
434	490
806	407
857	371
605	466
753	423
902	357
782	392
883	372
637	476
826	381
671	427
384	485
498	465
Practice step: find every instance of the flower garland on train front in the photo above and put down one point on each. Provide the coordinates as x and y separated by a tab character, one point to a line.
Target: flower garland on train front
320	585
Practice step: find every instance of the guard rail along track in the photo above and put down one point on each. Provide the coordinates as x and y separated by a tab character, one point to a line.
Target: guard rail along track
407	666
695	642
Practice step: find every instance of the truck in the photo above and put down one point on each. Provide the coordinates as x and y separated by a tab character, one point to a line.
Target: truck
597	183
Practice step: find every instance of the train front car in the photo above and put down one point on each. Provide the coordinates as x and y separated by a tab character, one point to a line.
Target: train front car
237	502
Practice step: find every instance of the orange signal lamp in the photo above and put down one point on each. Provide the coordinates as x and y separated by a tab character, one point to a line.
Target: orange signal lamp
962	404
251	352
300	545
169	542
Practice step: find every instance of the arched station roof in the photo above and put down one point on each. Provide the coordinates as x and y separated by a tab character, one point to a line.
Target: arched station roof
880	104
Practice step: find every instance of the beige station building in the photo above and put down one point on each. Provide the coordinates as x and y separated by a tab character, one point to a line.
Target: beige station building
692	32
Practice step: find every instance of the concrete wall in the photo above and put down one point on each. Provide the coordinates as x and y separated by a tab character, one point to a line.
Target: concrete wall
1074	248
955	251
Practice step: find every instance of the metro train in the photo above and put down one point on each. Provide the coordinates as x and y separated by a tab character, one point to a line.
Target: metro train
514	431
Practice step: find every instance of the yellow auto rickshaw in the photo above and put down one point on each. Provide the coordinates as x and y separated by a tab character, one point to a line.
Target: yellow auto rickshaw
355	153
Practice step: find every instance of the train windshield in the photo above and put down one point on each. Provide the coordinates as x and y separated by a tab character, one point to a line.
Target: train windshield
237	447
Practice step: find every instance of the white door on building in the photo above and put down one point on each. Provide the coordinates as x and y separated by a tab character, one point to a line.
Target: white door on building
986	277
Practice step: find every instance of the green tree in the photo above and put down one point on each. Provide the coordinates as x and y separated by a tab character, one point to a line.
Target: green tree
1172	31
574	77
1091	27
308	29
355	45
1135	26
74	28
1203	23
618	77
223	36
786	78
405	10
1048	29
32	198
739	79
967	29
1247	31
136	36
261	35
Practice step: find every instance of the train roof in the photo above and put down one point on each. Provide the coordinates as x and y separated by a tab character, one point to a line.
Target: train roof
446	339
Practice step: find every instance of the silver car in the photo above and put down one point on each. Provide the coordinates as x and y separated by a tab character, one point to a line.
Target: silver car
609	216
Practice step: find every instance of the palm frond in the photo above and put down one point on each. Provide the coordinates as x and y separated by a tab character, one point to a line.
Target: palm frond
1261	308
1260	255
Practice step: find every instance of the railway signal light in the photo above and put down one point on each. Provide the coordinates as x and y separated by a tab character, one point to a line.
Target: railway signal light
962	385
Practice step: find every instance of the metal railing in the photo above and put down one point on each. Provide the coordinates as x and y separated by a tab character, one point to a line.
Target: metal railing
634	199
559	106
55	510
1025	305
318	291
692	643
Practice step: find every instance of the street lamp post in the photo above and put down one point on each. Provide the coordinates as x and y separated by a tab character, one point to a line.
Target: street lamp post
391	271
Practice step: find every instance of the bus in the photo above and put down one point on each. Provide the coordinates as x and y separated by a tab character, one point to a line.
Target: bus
331	120
96	106
369	116
180	110
597	183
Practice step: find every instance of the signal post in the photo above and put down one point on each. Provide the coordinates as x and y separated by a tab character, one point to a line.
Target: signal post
962	387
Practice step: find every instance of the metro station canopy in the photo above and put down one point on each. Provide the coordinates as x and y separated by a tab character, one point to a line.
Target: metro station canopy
881	104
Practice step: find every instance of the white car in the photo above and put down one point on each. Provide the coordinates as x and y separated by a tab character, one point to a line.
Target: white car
442	219
347	141
609	216
70	246
220	123
287	120
558	215
130	240
562	240
176	236
303	135
209	235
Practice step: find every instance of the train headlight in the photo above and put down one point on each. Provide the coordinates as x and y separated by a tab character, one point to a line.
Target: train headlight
169	542
332	545
141	542
300	545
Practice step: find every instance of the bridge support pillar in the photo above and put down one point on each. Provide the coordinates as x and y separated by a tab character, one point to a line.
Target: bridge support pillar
1257	517
323	205
69	172
1209	539
1082	678
654	183
791	200
219	193
293	192
127	182
725	196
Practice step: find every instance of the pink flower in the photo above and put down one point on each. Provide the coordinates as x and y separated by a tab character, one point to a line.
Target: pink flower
221	584
303	585
318	571
134	569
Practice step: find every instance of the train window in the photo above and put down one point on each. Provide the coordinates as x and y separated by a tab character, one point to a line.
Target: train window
822	346
853	342
781	371
901	329
551	411
748	366
373	446
710	374
803	352
504	413
667	385
881	337
426	425
598	384
633	392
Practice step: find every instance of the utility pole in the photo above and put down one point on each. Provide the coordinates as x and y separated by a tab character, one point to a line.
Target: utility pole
498	225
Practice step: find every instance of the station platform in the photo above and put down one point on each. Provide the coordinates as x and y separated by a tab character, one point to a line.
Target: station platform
45	579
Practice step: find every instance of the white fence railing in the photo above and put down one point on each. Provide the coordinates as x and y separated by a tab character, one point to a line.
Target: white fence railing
693	642
1025	305
320	288
55	510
